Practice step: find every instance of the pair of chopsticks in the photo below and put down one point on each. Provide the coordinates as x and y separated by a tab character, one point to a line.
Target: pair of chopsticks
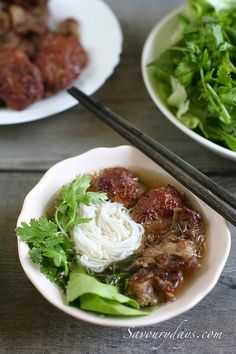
202	186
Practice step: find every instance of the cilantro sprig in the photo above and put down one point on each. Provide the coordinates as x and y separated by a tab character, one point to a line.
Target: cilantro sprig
49	239
66	215
197	75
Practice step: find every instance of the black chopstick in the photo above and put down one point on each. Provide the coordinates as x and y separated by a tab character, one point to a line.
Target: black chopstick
207	190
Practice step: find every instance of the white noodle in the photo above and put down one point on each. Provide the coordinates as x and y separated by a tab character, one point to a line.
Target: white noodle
109	237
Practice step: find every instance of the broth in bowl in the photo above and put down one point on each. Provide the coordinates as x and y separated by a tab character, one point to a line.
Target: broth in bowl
86	287
118	243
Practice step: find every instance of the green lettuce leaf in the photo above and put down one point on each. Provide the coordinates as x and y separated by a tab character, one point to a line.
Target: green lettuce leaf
92	302
222	4
81	283
98	297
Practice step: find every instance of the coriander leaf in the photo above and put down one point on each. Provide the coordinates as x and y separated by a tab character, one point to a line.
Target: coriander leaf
230	141
163	66
51	273
37	231
58	255
71	195
36	255
49	240
48	247
228	97
94	197
184	72
216	33
206	60
224	71
201	6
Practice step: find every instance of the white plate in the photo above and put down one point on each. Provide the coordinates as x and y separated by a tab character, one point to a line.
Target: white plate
126	156
101	37
157	42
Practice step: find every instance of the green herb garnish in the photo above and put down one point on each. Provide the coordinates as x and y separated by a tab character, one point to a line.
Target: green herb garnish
49	239
196	77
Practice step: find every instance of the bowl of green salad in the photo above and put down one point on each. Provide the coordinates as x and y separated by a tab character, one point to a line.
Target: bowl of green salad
189	69
110	238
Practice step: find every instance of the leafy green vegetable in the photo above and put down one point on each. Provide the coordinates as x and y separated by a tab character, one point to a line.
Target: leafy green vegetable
81	283
71	194
222	4
178	98
49	240
92	302
98	297
49	248
196	77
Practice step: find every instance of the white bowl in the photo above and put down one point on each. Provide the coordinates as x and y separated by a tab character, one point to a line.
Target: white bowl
156	43
218	234
101	37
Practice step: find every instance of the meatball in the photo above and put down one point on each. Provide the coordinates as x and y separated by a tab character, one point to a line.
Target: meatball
157	203
120	184
60	60
20	80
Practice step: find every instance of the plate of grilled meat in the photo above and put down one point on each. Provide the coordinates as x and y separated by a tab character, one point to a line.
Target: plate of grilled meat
45	47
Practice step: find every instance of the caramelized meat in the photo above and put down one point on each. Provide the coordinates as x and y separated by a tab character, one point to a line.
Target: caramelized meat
151	287
169	256
25	43
60	60
188	224
5	23
56	58
172	245
156	231
25	20
20	80
141	287
9	40
157	203
120	184
69	27
155	210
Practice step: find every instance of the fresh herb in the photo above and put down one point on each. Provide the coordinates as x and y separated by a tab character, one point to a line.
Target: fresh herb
49	248
196	77
72	194
49	240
